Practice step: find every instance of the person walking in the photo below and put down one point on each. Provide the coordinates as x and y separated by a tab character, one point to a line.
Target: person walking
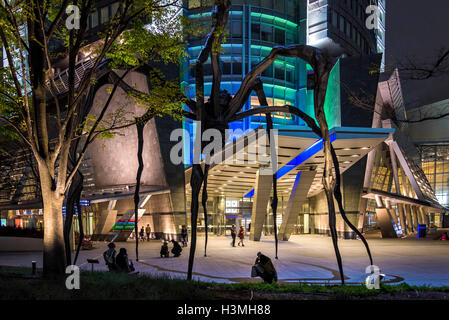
109	257
184	235
233	235
148	232
141	234
241	236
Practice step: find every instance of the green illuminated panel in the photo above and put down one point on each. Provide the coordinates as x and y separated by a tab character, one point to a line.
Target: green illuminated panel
277	19
207	14
332	103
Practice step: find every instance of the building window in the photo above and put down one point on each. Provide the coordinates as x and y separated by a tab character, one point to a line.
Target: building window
342	24
236	29
255	31
279	72
226	68
348	29
290	75
237	68
93	19
104	14
279	5
279	36
266	33
114	8
334	19
289	38
268	3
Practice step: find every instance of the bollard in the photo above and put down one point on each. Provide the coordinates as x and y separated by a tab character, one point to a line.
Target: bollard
33	267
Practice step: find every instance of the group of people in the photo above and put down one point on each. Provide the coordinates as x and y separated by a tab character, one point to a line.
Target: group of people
117	262
263	267
241	235
145	231
176	250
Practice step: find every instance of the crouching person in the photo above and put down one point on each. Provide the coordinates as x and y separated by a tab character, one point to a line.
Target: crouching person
176	248
264	268
164	250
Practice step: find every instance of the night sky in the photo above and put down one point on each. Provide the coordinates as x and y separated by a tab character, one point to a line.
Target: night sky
418	29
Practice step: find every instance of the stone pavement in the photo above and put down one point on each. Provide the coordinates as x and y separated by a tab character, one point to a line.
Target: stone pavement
305	258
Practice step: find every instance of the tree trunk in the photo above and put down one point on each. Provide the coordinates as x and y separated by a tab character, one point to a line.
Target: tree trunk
54	258
140	125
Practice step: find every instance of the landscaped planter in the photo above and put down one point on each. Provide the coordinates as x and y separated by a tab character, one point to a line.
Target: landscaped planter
21	244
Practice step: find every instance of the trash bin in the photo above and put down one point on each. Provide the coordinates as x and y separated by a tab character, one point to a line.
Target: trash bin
421	230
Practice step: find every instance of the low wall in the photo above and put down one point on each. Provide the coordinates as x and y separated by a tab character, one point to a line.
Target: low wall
21	244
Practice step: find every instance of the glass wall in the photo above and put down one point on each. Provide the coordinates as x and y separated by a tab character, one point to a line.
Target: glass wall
254	28
435	164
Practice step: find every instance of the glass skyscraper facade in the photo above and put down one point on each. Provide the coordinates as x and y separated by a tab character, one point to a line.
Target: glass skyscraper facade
254	28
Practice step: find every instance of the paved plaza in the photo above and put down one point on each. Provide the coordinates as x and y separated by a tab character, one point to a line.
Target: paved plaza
305	258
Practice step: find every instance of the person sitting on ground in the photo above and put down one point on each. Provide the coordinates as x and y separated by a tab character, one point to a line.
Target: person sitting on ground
265	268
176	248
109	257
123	263
164	250
444	236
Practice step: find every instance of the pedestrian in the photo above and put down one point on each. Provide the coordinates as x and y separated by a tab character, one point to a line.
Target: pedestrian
176	248
123	263
109	257
233	235
148	232
241	236
264	268
164	250
184	235
141	234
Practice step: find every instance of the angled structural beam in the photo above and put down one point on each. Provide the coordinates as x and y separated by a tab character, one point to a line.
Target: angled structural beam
402	218
298	196
407	170
410	225
415	217
262	192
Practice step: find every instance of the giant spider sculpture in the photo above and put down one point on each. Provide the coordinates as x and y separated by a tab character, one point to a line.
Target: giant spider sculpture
222	108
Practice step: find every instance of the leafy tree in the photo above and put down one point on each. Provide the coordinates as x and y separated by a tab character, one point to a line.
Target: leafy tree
55	124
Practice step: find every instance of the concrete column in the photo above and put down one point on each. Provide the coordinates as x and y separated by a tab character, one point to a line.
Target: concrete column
106	221
410	224
298	195
384	221
262	192
424	216
402	219
415	217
